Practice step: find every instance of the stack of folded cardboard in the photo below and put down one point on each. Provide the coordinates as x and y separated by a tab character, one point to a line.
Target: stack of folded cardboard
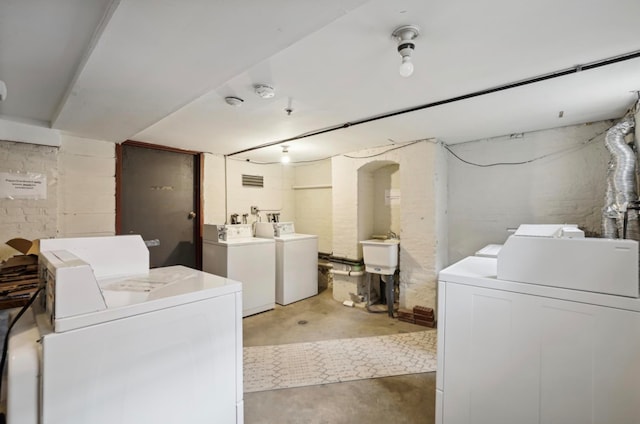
19	274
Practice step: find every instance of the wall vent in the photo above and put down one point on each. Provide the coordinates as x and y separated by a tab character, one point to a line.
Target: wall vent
252	180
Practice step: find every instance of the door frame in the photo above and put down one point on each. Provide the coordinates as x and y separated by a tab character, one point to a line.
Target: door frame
198	179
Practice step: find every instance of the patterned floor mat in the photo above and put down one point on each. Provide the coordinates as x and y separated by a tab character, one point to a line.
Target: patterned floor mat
333	361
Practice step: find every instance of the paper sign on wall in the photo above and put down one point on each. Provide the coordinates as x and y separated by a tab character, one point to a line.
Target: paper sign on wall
392	196
24	185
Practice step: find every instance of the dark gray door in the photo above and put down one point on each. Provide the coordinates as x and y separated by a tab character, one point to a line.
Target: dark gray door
158	193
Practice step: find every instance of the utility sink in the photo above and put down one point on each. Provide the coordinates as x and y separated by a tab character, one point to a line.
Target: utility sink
381	256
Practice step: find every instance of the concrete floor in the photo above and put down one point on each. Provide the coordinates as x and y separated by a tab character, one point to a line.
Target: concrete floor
406	399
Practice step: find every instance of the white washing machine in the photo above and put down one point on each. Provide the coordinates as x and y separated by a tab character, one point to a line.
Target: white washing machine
231	251
110	341
546	332
296	261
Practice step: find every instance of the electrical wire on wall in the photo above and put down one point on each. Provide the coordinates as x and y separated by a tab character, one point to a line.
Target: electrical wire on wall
630	111
386	151
558	152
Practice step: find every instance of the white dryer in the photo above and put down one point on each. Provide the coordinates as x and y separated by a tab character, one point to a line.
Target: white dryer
231	251
296	261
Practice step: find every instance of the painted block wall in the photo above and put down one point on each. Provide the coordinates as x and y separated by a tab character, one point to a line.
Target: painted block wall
86	192
422	213
386	216
276	195
567	187
80	194
313	204
26	218
213	189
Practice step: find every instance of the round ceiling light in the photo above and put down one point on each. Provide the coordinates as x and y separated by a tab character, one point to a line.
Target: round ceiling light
234	101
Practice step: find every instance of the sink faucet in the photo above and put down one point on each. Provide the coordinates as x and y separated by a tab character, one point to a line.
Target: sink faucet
392	235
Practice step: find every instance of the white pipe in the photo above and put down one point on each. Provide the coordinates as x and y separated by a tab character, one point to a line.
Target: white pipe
349	273
311	187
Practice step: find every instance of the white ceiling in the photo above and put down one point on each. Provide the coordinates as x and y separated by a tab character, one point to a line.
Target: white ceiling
158	70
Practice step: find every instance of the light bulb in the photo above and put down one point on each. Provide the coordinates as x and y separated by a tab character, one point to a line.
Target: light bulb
406	68
285	155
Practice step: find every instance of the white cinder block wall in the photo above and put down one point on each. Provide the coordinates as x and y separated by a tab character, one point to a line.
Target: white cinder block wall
386	213
422	175
213	189
80	189
313	202
87	196
561	188
28	218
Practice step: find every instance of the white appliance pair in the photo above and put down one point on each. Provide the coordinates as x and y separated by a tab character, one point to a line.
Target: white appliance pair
544	329
231	251
296	261
111	341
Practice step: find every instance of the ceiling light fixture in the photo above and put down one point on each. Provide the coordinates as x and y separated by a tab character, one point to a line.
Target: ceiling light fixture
264	91
405	36
234	101
285	155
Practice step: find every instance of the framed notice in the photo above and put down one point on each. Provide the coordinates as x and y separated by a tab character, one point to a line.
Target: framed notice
23	185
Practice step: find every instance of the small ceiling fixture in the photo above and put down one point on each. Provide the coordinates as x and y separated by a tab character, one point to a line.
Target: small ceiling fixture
405	36
234	101
264	91
285	155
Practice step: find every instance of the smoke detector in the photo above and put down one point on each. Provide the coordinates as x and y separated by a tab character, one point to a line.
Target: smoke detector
264	91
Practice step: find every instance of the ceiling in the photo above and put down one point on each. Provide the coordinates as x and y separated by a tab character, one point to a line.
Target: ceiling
158	70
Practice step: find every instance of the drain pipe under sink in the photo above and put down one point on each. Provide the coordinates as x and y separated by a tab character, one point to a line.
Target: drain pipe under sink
349	273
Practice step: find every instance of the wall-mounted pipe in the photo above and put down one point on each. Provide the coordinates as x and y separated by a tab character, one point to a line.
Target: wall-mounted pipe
508	86
344	261
349	273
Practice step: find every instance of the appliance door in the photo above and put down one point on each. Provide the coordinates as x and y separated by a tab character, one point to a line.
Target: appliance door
175	365
296	270
509	358
254	265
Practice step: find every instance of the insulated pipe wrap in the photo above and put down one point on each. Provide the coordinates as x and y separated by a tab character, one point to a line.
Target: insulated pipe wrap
609	215
621	183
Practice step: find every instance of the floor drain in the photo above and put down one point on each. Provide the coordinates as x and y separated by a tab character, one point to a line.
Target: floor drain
302	322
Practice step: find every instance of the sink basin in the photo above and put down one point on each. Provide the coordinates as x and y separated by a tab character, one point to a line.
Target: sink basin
381	256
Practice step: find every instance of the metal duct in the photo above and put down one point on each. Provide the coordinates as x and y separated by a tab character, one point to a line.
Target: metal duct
609	214
636	135
622	179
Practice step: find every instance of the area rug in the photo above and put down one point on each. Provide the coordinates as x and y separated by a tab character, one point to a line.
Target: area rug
334	361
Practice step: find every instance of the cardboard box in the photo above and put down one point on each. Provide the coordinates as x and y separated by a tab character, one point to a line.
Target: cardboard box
24	246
